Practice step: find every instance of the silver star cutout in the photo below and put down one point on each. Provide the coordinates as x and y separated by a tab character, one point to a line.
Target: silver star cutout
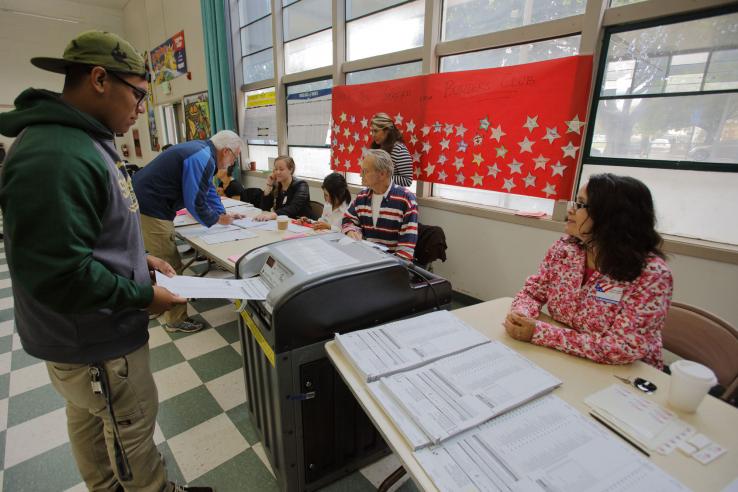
416	156
477	179
448	128
529	180
398	119
437	127
413	140
426	147
497	133
351	148
526	145
460	178
558	168
484	123
478	159
509	184
501	151
575	125
364	122
515	167
346	132
442	159
493	170
416	172
425	130
460	130
410	126
352	119
551	134
462	147
429	169
531	123
570	150
356	136
549	189
458	163
347	164
341	147
540	161
444	143
442	176
343	117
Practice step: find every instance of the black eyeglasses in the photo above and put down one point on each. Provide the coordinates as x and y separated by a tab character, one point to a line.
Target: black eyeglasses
140	93
577	205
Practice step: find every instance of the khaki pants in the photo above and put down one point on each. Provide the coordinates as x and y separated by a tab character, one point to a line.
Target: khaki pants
135	402
158	236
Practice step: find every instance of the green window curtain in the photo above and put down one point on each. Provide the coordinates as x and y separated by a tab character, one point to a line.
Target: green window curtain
220	93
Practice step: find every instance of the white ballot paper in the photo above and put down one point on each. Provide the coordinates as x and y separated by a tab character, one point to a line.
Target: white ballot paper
458	392
183	220
201	230
544	446
214	288
408	343
315	256
224	237
230	202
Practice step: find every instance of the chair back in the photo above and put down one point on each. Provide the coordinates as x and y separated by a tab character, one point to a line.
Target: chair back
316	208
252	196
700	336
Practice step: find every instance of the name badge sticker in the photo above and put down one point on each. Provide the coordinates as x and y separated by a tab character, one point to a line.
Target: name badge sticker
608	293
284	200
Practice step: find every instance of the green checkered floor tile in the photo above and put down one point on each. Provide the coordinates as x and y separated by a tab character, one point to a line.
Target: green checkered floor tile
203	428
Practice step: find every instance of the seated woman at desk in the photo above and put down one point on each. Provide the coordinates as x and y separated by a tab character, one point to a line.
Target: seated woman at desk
337	200
225	185
284	194
606	279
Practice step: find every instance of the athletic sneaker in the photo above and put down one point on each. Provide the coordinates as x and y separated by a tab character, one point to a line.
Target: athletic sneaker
187	326
180	488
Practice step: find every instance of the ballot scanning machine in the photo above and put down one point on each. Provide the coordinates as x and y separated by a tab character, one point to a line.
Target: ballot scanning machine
311	427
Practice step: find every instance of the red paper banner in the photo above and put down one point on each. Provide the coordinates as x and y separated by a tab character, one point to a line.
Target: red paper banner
514	129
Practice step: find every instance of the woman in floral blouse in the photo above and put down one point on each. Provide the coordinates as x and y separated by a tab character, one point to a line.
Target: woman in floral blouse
606	280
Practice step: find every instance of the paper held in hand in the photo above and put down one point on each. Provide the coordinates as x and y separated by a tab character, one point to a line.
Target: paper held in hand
214	288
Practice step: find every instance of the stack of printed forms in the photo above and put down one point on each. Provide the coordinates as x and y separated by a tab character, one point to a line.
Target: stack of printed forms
436	377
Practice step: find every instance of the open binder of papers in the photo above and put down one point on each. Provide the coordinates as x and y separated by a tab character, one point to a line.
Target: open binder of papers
214	288
545	446
640	419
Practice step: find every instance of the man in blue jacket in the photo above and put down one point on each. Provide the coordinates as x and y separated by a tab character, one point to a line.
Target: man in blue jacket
182	177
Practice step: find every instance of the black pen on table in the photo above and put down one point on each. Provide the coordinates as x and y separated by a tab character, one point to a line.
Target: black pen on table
619	434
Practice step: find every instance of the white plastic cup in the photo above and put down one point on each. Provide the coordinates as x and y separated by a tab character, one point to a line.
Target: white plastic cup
689	384
282	221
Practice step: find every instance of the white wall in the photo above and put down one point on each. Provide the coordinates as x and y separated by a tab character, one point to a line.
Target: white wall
23	37
489	259
147	24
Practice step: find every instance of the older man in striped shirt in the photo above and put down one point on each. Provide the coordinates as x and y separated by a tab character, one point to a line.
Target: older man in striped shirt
383	212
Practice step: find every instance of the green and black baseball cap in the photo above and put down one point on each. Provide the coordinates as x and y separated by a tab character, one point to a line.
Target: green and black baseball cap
96	48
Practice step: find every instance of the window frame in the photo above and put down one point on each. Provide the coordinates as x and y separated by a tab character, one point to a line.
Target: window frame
596	97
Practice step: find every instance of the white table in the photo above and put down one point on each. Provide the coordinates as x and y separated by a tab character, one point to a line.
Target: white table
581	377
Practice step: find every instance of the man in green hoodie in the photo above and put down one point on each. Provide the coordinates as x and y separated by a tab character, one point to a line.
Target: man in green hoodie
80	275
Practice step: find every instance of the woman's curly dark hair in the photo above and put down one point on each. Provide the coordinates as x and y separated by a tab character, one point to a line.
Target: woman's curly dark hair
623	221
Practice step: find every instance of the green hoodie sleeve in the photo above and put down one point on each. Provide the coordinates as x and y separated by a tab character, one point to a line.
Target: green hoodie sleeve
53	201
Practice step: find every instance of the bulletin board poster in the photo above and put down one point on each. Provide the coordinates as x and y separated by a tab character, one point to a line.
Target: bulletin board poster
308	121
513	129
169	59
151	119
197	116
260	117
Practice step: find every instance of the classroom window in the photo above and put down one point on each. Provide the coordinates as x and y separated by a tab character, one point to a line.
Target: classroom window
387	31
260	154
666	112
256	40
512	55
306	17
361	8
465	18
390	72
310	52
308	126
260	117
172	131
669	94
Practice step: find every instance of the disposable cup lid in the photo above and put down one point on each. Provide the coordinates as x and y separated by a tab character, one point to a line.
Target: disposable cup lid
693	370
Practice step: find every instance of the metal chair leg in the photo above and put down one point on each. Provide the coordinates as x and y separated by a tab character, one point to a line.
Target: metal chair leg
391	479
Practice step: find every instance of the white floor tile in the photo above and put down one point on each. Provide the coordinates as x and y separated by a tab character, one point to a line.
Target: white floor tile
6	302
200	343
6	328
5	360
378	471
80	487
221	315
175	380
204	447
158	434
16	342
1	480
158	336
259	450
228	390
236	346
35	436
4	268
5	283
28	378
3	414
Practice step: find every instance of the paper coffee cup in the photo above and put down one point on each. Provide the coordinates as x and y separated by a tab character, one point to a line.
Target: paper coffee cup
689	384
282	221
